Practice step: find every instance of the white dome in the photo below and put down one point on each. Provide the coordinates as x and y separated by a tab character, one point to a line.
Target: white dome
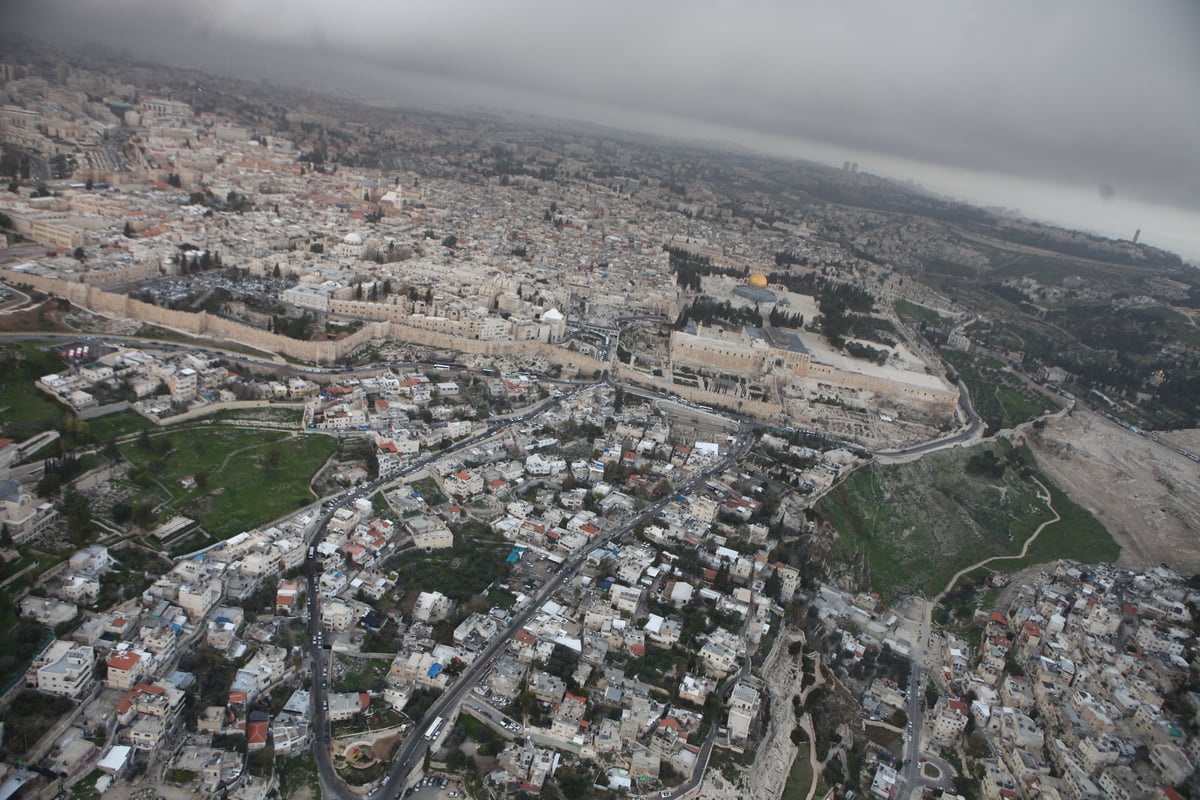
352	238
553	315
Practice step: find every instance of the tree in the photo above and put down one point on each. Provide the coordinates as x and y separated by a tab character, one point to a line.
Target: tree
450	241
773	586
122	512
78	512
129	234
79	254
89	184
5	537
275	273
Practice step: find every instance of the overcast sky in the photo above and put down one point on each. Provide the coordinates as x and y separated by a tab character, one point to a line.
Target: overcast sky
1076	93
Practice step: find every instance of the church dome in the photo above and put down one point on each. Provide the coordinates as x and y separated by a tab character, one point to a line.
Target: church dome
352	238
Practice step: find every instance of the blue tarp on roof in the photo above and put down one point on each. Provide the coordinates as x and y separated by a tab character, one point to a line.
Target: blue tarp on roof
434	670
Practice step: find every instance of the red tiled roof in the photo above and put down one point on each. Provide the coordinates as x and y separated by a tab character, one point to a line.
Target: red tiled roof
124	661
256	732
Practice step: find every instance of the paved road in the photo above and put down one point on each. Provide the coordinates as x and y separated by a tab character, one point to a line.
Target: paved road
969	433
413	749
330	781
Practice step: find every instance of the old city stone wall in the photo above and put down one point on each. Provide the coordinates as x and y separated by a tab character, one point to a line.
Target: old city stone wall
942	398
111	304
743	405
720	355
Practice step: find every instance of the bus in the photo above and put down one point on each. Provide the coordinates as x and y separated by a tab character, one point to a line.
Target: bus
434	729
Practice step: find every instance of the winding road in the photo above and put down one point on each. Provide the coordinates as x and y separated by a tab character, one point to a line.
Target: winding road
413	749
912	780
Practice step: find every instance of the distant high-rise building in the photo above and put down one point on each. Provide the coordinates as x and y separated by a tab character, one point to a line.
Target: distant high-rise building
1136	234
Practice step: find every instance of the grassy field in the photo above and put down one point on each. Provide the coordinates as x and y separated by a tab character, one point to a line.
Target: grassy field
1078	535
910	527
24	409
460	572
190	542
113	426
937	266
298	774
917	313
429	491
1043	269
1000	398
800	777
29	716
86	788
249	477
20	641
363	675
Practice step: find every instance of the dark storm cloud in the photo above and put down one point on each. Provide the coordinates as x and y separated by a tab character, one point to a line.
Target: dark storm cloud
1089	93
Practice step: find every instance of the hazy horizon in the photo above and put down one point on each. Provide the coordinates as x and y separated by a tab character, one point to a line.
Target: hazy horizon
1083	114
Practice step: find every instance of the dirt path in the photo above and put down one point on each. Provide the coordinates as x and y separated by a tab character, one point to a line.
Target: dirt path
1044	494
814	766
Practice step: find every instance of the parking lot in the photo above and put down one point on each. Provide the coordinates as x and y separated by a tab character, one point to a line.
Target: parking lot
434	787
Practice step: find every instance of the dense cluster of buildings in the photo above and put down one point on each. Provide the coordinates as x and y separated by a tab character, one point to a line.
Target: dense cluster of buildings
224	200
1087	674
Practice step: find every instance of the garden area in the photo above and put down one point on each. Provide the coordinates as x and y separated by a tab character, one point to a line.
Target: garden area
1001	399
28	718
909	527
229	479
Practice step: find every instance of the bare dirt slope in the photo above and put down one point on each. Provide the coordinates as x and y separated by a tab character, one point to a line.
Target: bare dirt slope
1146	494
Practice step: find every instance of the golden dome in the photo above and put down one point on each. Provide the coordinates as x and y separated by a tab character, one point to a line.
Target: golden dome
758	279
